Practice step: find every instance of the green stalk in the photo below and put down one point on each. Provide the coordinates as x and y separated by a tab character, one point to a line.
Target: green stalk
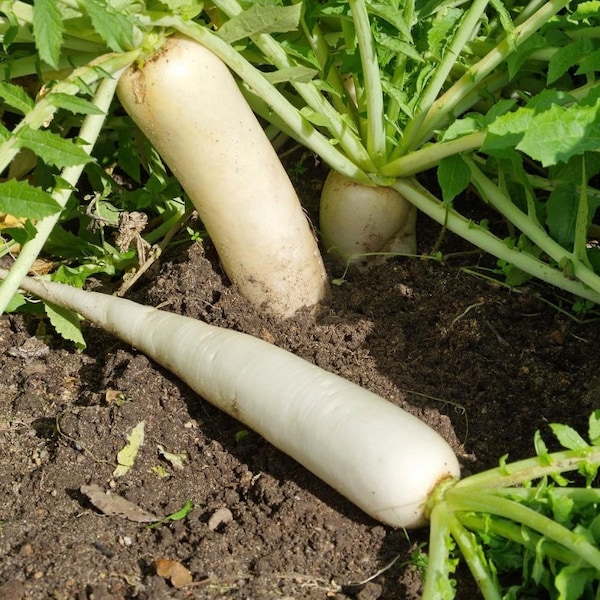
437	582
531	227
412	135
376	144
338	128
513	532
459	499
473	555
90	130
425	201
296	124
581	222
29	65
444	105
429	156
321	49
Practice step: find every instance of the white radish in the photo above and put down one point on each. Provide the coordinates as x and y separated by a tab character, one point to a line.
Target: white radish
378	456
187	103
357	220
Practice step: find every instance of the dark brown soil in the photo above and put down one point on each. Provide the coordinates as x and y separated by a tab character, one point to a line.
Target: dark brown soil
484	365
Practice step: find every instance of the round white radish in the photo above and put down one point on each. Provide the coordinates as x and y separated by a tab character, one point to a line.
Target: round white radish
380	457
187	103
356	219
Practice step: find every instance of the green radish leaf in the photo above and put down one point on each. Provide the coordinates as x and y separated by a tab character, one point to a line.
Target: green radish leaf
19	199
561	208
182	513
572	580
113	27
261	19
53	149
589	63
560	132
74	104
297	74
17	301
566	57
23	234
48	29
586	10
66	323
187	9
568	437
594	428
16	97
454	176
540	448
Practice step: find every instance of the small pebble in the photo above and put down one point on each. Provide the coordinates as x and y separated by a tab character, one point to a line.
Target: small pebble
222	516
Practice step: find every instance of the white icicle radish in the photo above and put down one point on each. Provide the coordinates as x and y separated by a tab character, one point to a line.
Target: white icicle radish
185	100
378	456
356	219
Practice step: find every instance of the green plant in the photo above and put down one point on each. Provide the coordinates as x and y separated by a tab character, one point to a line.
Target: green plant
499	97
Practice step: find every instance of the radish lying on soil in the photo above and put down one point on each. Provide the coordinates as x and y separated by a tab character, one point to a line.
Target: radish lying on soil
186	102
383	459
386	461
356	220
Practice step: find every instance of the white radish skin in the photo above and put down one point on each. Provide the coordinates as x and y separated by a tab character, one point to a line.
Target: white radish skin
186	102
356	219
378	456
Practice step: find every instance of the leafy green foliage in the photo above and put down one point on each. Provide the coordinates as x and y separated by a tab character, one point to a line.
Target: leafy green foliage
48	29
526	522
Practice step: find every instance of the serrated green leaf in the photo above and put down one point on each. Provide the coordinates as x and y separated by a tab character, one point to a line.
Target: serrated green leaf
113	27
585	10
48	29
126	457
74	104
66	323
566	57
19	199
52	148
568	437
454	176
572	580
261	19
16	97
560	132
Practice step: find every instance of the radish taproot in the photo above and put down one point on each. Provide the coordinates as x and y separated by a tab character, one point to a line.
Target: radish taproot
358	220
187	103
381	458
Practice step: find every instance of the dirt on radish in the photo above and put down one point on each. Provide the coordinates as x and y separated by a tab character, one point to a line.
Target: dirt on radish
484	366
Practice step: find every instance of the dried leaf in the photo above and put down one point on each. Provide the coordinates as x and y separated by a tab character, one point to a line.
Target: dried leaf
126	457
117	506
173	570
176	460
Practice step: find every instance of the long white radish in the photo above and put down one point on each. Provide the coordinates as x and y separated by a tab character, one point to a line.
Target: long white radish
380	457
356	220
187	103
